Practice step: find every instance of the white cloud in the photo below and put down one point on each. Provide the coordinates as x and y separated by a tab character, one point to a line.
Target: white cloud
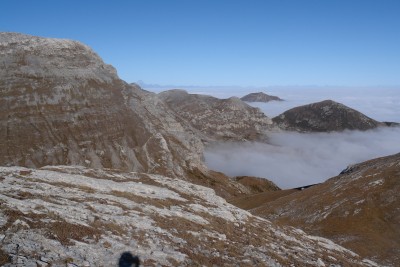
295	159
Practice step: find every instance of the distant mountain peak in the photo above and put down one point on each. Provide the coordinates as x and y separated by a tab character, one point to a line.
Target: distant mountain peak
260	97
324	116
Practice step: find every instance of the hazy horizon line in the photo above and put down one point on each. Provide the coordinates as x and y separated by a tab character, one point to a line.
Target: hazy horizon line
178	86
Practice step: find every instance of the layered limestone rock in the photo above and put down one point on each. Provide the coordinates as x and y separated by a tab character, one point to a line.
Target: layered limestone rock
218	119
324	116
75	216
61	104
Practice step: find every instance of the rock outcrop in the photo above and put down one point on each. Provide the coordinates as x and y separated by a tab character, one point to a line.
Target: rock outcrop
256	184
74	216
217	119
61	104
358	209
324	116
260	97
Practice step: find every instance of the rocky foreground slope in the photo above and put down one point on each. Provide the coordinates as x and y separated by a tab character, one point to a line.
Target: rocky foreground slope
218	119
358	209
74	216
324	116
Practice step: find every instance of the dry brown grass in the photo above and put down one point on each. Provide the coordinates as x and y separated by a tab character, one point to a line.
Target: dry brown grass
83	188
104	175
24	195
103	226
369	228
65	232
4	258
199	249
12	216
218	181
59	229
159	203
25	172
256	184
260	199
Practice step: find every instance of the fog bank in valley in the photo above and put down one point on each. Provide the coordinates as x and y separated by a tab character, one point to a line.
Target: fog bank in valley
294	159
297	159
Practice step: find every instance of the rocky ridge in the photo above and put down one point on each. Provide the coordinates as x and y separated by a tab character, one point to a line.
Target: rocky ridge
75	216
61	104
260	97
217	119
357	209
324	116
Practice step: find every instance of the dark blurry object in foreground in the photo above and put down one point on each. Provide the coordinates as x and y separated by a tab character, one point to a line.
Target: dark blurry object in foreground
128	260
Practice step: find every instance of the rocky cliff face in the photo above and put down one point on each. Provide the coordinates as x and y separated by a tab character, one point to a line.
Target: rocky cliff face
325	116
260	97
61	104
218	119
74	216
358	209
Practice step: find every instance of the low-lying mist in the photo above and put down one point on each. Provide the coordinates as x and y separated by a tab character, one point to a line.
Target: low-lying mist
297	159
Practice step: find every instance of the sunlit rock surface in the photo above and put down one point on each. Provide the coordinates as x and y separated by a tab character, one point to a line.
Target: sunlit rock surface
61	104
218	119
59	214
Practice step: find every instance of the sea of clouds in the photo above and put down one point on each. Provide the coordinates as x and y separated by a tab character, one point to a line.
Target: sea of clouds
297	159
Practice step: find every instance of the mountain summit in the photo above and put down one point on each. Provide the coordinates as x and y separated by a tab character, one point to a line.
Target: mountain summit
61	104
324	116
260	97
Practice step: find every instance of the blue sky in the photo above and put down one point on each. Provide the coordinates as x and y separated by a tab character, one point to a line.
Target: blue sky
217	42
